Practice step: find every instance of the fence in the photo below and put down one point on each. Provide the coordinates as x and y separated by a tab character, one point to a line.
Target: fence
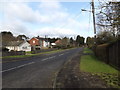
109	53
114	54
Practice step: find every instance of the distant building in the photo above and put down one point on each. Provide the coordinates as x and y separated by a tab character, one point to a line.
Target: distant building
18	46
58	42
39	42
53	44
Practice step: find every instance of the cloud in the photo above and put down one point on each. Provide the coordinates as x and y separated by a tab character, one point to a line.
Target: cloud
50	5
23	12
46	13
16	27
50	18
55	32
53	12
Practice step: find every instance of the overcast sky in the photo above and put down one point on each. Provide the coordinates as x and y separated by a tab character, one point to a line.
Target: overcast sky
54	19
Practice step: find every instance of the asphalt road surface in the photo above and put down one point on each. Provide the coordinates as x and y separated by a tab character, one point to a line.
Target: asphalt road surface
34	72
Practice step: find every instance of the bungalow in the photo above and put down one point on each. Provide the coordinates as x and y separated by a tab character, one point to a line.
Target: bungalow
39	42
18	46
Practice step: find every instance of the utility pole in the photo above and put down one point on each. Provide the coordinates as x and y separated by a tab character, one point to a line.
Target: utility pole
46	37
93	11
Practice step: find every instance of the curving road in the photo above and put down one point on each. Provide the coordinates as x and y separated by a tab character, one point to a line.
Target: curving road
34	72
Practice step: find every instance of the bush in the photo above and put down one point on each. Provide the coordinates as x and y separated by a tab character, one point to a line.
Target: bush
5	49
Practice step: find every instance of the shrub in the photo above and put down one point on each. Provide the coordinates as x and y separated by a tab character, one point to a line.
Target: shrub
5	49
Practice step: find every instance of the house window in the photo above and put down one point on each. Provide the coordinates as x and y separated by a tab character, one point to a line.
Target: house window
34	41
24	47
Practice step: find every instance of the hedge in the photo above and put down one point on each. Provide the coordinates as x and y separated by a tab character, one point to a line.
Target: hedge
102	52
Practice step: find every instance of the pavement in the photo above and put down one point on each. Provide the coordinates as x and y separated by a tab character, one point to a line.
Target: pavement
35	72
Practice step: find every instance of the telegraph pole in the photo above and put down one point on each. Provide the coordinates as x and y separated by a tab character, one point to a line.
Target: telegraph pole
46	37
93	11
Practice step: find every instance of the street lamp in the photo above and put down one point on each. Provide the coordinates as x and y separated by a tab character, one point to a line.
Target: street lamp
85	10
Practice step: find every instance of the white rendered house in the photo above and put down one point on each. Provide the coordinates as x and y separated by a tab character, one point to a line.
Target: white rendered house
18	46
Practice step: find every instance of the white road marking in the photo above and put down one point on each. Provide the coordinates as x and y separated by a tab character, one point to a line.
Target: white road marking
48	58
18	66
61	54
44	59
31	63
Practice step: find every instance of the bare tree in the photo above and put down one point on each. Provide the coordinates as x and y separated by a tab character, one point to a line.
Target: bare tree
108	19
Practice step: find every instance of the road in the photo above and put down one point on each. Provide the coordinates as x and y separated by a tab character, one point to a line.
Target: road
35	72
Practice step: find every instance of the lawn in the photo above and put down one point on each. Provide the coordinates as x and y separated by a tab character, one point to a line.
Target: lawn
29	52
89	63
17	56
87	50
22	56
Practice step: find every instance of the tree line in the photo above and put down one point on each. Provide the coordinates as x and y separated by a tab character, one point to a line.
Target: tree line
65	41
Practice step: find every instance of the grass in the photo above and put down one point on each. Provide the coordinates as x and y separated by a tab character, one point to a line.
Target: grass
22	56
29	52
17	56
89	63
49	52
86	50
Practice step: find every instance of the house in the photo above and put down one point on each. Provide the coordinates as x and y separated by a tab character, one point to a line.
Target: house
58	42
18	46
39	42
53	45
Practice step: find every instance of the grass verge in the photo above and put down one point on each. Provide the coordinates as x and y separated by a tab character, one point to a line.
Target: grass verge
89	63
87	51
29	52
22	56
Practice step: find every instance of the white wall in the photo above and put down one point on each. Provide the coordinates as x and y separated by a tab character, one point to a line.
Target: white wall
25	47
15	48
46	43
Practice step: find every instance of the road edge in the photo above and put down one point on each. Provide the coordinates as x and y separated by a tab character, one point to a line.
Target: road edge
65	64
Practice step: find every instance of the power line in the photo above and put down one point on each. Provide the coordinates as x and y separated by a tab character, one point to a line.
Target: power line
75	17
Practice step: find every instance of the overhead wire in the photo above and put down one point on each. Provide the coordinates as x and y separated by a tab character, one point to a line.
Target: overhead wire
73	17
66	24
